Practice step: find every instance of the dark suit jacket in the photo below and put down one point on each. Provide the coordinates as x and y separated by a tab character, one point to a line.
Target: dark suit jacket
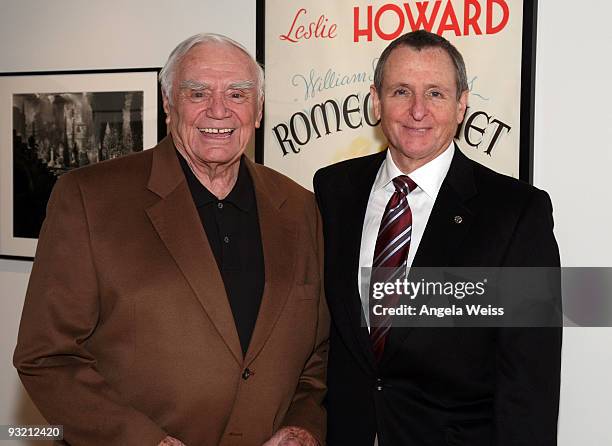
440	386
127	333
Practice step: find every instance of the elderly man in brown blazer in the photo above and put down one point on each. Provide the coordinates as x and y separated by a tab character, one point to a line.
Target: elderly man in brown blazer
176	295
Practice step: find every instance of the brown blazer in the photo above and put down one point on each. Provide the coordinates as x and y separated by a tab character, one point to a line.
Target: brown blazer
127	334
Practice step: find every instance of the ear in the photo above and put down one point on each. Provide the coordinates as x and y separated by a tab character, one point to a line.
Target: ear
462	106
260	103
166	104
375	102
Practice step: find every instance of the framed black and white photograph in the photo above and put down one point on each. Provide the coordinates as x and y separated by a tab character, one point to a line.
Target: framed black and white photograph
54	122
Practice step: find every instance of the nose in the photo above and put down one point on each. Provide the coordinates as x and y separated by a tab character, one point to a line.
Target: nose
217	108
418	108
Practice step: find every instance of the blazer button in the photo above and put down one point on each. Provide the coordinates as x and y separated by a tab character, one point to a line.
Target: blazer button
246	374
379	384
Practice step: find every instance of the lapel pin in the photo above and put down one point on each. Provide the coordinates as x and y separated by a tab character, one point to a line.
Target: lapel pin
458	219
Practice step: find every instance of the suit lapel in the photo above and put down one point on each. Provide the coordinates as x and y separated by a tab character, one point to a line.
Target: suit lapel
450	217
278	238
446	228
176	220
359	184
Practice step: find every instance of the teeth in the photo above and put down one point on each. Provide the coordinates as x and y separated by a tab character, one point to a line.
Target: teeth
212	130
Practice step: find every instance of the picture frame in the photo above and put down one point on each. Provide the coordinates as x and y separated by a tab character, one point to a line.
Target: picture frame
53	122
321	55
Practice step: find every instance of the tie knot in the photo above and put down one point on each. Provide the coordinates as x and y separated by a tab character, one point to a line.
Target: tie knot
404	184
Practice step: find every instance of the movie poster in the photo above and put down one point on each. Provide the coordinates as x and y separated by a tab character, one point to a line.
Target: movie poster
320	58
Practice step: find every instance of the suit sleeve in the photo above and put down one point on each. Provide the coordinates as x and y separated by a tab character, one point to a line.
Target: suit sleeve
306	409
529	359
60	314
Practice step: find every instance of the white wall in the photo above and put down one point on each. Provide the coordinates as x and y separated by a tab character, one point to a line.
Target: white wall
15	406
573	156
573	147
76	34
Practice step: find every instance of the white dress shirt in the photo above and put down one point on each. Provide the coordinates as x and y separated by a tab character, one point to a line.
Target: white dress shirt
428	179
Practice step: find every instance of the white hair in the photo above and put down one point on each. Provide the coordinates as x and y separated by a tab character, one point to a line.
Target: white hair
166	75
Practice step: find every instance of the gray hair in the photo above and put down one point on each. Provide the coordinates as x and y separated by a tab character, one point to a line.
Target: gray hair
419	40
166	75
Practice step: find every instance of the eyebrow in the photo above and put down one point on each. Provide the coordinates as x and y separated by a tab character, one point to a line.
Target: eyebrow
427	87
242	85
193	85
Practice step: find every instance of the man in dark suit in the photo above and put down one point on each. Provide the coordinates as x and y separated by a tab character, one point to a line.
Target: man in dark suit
176	296
431	386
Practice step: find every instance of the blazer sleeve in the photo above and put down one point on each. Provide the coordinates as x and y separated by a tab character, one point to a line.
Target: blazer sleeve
306	409
529	359
60	313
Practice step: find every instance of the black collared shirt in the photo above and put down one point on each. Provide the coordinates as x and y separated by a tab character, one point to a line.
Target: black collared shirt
232	229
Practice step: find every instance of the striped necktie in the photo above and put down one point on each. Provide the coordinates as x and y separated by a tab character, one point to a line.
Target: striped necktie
390	254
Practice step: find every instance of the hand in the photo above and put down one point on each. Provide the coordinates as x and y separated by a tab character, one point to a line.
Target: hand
292	436
171	441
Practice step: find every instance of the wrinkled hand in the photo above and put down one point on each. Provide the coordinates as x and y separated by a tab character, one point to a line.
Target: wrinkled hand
171	441
292	436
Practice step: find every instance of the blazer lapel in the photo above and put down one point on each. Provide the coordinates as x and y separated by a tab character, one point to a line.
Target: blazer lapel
359	184
447	226
450	217
278	238
178	224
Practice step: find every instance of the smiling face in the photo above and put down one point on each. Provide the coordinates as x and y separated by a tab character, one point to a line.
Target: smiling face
215	106
418	105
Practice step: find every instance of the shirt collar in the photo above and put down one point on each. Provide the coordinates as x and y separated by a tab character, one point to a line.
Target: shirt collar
428	177
242	195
